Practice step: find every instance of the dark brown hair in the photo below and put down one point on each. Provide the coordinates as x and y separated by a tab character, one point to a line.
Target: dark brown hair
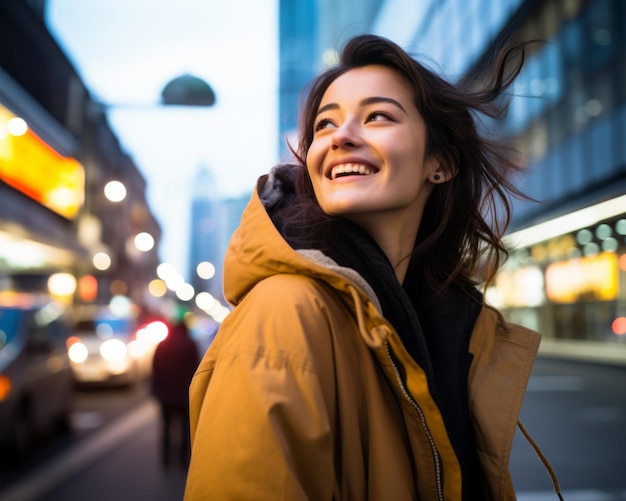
460	236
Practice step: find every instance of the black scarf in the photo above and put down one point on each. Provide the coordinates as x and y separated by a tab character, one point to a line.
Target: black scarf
354	248
435	330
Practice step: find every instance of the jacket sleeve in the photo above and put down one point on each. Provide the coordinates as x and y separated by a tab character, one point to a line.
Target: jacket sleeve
262	401
503	361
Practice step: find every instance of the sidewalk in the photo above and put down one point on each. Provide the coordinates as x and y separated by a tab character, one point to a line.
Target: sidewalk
120	462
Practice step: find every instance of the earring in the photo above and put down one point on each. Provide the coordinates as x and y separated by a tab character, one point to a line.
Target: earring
436	177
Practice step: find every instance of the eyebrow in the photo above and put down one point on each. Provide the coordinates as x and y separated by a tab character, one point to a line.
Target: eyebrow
364	102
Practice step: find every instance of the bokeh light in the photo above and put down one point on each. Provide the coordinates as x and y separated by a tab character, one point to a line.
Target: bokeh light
619	326
101	261
115	191
205	270
144	241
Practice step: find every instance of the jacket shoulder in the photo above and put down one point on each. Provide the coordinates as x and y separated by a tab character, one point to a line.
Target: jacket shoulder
285	294
283	317
491	326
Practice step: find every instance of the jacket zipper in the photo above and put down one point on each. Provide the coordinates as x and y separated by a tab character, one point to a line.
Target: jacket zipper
433	446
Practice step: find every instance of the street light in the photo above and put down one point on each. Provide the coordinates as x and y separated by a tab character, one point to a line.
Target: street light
188	90
183	91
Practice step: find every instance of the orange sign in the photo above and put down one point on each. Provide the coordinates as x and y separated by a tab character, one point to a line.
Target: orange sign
589	278
30	165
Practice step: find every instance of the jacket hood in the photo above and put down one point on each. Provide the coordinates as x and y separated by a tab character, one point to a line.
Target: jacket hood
257	249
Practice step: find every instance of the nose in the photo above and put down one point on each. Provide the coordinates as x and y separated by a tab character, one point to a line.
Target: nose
346	135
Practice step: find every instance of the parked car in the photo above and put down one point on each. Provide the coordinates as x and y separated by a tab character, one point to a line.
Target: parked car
105	349
36	385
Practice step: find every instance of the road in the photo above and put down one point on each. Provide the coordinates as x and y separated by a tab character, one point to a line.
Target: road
576	412
111	453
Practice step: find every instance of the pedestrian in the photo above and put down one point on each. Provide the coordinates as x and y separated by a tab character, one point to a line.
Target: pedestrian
175	361
360	361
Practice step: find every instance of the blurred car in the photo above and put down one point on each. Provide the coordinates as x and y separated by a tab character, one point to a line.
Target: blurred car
107	349
36	385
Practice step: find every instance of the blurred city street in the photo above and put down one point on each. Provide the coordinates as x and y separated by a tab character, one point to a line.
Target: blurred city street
573	410
131	137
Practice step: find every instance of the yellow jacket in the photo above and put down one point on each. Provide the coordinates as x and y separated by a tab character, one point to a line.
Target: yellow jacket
307	392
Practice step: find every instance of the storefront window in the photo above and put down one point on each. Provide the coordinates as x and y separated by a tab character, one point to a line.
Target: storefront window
569	287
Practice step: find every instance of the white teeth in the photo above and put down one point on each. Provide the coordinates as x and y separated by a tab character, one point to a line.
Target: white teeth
350	169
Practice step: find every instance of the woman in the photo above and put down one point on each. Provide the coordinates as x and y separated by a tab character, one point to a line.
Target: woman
360	362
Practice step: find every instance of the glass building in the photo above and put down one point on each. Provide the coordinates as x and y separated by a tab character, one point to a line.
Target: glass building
310	31
567	273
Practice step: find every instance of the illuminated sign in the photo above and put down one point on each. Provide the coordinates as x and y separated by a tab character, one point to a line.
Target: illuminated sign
30	165
589	278
518	288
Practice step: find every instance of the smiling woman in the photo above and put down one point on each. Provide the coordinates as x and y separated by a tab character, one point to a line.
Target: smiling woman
361	361
367	125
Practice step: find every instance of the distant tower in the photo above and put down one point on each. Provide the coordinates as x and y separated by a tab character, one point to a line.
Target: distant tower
204	242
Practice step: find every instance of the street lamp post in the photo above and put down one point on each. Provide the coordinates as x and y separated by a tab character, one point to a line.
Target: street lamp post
184	90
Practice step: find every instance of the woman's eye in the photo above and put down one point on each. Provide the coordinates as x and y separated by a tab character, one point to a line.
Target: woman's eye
377	116
323	123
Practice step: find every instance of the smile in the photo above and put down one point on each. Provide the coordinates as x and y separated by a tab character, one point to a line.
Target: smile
342	170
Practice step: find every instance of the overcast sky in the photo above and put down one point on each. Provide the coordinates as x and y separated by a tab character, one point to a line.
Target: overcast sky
127	50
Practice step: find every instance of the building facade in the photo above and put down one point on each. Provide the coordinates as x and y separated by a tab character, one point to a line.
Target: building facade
572	130
566	274
57	152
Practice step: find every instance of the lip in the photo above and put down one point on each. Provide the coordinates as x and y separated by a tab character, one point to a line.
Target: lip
349	160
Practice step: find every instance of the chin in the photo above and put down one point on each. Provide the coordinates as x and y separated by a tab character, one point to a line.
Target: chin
342	210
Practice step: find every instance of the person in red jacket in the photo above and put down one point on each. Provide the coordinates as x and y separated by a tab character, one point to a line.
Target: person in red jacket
175	361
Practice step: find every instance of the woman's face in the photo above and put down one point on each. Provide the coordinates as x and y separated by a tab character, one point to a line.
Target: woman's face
367	158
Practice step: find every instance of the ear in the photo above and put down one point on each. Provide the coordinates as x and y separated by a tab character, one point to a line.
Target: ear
440	176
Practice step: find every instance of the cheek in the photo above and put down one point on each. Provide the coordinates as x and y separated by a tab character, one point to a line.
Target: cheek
313	160
312	171
411	161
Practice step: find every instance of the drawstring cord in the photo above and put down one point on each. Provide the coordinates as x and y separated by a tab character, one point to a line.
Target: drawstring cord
544	459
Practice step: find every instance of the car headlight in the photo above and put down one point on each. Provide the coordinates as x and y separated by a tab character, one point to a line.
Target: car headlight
113	350
77	352
153	333
137	349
